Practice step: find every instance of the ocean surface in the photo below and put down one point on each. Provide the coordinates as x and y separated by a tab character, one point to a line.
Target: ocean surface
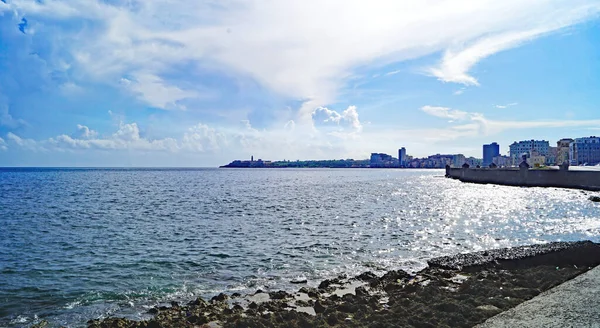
77	244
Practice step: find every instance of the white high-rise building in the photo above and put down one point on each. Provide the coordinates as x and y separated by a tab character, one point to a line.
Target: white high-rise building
517	149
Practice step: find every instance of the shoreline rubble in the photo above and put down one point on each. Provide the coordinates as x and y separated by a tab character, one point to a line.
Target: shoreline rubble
461	290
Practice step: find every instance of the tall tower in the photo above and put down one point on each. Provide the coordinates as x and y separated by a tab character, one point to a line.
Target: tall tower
252	158
402	157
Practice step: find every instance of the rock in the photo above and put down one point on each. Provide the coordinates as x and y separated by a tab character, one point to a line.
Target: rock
197	320
312	292
319	308
395	275
237	308
236	295
174	304
361	291
488	308
219	298
595	199
279	295
199	302
153	324
40	324
366	276
253	305
299	280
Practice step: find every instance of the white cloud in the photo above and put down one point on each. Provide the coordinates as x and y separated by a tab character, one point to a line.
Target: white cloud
479	125
85	133
6	119
347	119
3	145
458	60
201	138
28	144
445	112
298	48
156	92
459	92
393	72
506	106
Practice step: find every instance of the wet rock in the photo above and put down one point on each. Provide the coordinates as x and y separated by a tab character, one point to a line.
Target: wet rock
595	199
525	256
253	305
236	295
219	298
299	281
174	304
326	284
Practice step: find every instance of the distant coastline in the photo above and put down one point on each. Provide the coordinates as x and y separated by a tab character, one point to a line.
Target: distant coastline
342	163
333	163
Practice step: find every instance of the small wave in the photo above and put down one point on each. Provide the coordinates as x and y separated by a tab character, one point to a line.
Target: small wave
220	255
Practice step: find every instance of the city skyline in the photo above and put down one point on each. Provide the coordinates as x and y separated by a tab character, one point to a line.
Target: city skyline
171	83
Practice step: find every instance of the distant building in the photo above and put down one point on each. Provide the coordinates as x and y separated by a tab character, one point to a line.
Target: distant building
502	161
438	161
382	160
458	160
489	152
535	159
474	162
562	154
552	155
402	157
585	151
517	149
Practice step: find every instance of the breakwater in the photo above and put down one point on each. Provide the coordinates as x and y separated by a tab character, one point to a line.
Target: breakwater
527	177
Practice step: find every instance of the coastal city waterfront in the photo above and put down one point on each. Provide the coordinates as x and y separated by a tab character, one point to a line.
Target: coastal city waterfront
537	153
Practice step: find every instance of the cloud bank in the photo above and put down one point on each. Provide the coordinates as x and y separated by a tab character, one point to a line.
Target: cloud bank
301	49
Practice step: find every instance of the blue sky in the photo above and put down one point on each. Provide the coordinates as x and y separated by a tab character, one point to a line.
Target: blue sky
200	83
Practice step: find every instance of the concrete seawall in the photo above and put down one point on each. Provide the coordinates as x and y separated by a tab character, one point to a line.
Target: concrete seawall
524	177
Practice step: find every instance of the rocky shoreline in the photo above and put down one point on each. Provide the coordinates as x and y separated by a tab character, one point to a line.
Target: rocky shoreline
454	291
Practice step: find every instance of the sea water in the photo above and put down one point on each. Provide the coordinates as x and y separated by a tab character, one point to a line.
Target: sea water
78	244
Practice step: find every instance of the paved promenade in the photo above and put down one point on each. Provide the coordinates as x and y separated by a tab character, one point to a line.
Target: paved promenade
576	303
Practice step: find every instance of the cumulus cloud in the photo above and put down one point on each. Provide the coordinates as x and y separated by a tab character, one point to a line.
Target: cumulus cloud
28	144
300	49
347	119
84	132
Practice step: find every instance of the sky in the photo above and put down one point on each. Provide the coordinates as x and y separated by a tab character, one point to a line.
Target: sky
201	83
